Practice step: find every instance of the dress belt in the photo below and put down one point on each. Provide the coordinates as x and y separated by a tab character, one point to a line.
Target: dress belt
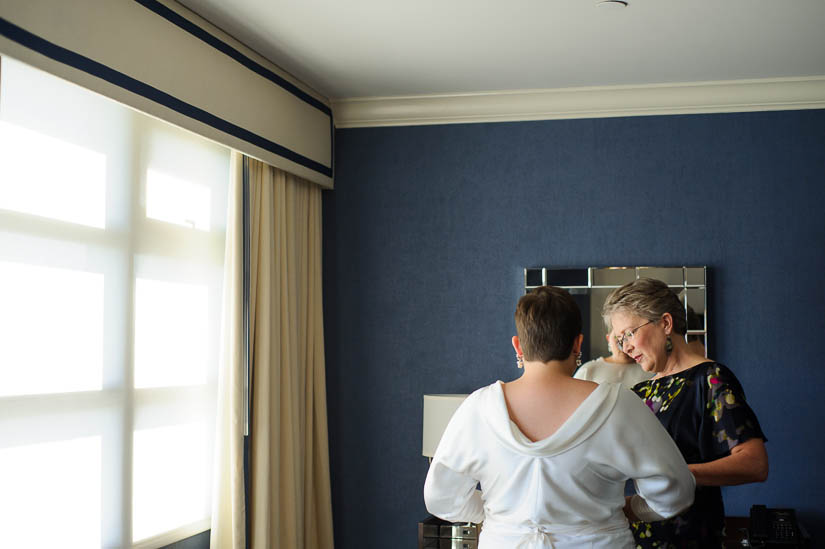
534	534
540	535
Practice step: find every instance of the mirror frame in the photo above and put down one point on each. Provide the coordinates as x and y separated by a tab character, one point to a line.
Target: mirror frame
582	280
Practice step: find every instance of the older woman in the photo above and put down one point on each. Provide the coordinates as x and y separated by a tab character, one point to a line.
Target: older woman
552	453
700	403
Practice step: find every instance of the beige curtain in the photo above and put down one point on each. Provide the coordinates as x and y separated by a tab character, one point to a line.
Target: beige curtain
228	505
290	504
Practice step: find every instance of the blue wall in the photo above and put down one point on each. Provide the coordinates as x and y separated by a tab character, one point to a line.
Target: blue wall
429	228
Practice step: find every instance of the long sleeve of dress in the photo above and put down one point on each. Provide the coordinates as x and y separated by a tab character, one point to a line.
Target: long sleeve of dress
452	496
653	460
450	489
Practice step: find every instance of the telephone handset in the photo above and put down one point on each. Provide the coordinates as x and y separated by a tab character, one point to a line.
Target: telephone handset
774	528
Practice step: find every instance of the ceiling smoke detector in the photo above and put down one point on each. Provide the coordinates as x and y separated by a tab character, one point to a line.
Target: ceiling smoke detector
612	4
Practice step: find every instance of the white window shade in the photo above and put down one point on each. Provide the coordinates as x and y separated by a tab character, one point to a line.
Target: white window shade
73	325
50	502
112	228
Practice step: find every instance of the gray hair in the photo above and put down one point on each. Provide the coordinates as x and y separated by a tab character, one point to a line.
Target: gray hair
649	299
608	327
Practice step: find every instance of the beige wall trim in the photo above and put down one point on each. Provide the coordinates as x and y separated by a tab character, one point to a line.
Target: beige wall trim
591	102
158	57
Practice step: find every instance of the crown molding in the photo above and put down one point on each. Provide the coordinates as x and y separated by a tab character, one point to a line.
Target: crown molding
589	102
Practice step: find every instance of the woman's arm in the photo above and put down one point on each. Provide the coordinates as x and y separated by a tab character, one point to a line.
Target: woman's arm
747	462
450	488
452	496
647	454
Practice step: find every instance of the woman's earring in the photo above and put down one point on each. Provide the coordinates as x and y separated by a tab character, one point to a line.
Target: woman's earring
579	359
668	345
520	361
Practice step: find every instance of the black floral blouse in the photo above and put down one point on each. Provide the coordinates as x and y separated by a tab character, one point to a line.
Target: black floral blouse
704	410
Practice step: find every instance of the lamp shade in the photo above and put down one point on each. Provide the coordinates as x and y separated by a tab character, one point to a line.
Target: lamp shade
438	409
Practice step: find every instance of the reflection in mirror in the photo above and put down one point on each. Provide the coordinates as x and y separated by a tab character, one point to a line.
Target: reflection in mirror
613	276
672	276
590	287
566	278
695	276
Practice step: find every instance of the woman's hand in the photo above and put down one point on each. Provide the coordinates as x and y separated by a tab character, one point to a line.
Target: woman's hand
628	511
747	462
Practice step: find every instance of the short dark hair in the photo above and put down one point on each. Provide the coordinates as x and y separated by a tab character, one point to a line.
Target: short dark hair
547	322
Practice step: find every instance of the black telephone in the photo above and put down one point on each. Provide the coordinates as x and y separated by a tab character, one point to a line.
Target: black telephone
774	528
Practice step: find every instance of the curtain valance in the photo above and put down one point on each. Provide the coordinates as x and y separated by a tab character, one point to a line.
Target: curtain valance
162	59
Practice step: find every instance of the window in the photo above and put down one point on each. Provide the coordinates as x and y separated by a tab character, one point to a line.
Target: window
112	232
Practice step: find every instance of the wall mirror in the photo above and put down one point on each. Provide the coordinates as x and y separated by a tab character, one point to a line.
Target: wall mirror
590	286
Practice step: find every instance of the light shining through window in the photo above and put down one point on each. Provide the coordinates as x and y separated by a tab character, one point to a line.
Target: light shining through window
171	478
112	235
171	333
51	330
51	494
44	176
177	201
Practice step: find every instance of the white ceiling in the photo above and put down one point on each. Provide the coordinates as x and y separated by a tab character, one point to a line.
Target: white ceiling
383	48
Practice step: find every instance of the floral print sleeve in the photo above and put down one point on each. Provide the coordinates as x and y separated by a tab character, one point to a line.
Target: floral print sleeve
728	418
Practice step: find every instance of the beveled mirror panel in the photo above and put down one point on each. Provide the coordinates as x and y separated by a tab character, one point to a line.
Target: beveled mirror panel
590	287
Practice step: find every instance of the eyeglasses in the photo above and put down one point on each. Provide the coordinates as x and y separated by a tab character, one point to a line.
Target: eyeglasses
628	334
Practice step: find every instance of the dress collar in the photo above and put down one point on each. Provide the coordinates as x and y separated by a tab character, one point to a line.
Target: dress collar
582	423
